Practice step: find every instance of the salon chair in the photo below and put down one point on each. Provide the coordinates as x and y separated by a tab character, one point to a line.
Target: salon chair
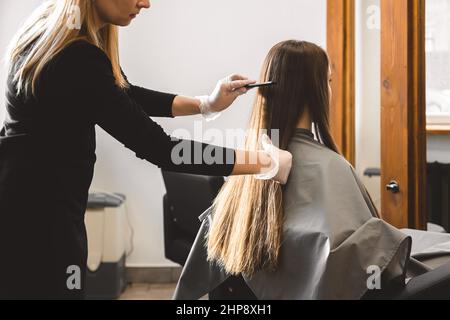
433	285
188	196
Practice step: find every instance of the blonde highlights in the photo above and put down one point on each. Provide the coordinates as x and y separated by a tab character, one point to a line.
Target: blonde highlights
246	231
245	234
48	31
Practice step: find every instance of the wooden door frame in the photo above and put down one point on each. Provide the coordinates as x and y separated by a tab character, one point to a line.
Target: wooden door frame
341	50
403	101
403	112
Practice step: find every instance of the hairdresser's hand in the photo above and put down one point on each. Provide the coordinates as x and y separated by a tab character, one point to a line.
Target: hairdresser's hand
285	158
281	162
226	91
223	96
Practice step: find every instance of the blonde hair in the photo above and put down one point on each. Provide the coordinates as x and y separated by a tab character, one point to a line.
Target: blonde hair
246	229
247	223
47	32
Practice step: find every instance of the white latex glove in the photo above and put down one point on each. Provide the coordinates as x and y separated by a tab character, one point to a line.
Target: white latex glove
223	96
281	162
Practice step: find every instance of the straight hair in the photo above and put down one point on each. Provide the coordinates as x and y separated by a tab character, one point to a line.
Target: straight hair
247	222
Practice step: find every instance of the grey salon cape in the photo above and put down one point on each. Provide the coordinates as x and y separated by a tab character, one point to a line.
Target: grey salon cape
332	241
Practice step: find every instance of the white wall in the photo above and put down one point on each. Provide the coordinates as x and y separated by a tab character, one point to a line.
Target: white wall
183	47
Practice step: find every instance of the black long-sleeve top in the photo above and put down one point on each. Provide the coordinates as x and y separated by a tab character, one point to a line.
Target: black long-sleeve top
47	145
77	91
47	157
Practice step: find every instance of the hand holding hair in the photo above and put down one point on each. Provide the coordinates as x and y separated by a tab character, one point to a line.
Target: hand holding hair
281	162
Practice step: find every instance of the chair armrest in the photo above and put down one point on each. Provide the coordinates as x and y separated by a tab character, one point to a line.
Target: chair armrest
434	285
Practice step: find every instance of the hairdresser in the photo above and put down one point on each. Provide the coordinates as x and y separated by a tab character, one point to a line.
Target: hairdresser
63	80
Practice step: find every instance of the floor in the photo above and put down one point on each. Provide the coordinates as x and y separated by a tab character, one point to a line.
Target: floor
143	291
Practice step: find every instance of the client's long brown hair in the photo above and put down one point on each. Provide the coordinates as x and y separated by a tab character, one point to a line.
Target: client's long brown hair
246	229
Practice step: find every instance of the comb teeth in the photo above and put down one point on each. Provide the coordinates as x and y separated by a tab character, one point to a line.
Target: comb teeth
258	85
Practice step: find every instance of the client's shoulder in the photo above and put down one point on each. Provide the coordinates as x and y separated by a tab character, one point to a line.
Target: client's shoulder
310	152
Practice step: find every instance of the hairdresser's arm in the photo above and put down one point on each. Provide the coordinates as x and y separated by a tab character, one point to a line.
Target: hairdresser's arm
245	164
153	103
185	106
251	162
160	104
92	88
223	96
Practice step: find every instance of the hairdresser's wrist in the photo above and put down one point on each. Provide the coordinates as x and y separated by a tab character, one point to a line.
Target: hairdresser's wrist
271	164
185	106
252	163
270	169
206	108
